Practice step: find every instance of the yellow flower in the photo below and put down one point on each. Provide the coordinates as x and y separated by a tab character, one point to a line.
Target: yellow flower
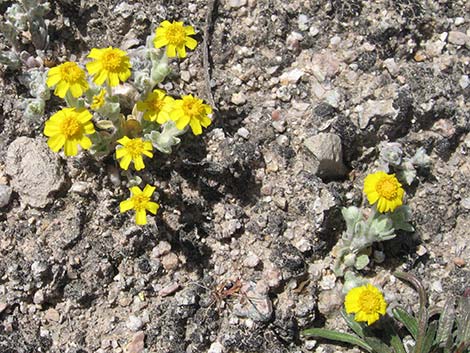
68	127
157	106
98	100
140	202
110	64
132	150
176	37
367	302
384	189
67	76
191	110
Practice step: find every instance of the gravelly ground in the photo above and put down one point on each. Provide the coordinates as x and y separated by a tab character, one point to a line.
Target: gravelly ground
246	200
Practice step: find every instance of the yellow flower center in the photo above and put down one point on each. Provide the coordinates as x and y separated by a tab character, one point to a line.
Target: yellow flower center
71	72
369	302
155	104
193	108
70	127
111	61
140	201
135	147
176	35
387	187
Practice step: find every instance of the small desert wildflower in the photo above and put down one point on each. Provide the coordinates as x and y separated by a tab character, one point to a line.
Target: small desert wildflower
191	110
98	100
367	302
140	202
157	106
176	37
384	189
110	64
68	128
67	76
132	150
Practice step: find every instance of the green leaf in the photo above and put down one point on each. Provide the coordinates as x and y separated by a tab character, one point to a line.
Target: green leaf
429	338
353	324
395	340
406	319
446	324
377	345
361	262
337	336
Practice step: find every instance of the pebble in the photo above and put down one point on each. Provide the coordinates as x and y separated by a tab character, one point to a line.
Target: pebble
162	248
391	66
293	39
185	76
38	297
302	22
458	261
238	98
170	261
216	347
136	345
464	81
79	187
375	108
3	306
35	170
458	38
459	20
251	261
243	132
169	289
52	315
237	3
279	125
134	323
291	77
329	301
328	155
5	194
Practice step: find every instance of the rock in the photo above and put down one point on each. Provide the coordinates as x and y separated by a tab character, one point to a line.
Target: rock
134	323
371	109
291	77
237	3
34	169
161	249
238	98
170	261
259	309
52	315
216	347
391	66
458	38
328	153
3	306
464	81
325	65
329	301
169	289
251	261
243	132
136	345
5	194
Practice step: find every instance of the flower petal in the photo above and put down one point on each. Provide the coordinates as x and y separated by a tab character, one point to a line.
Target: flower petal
126	205
152	207
141	217
125	161
148	190
71	148
55	143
